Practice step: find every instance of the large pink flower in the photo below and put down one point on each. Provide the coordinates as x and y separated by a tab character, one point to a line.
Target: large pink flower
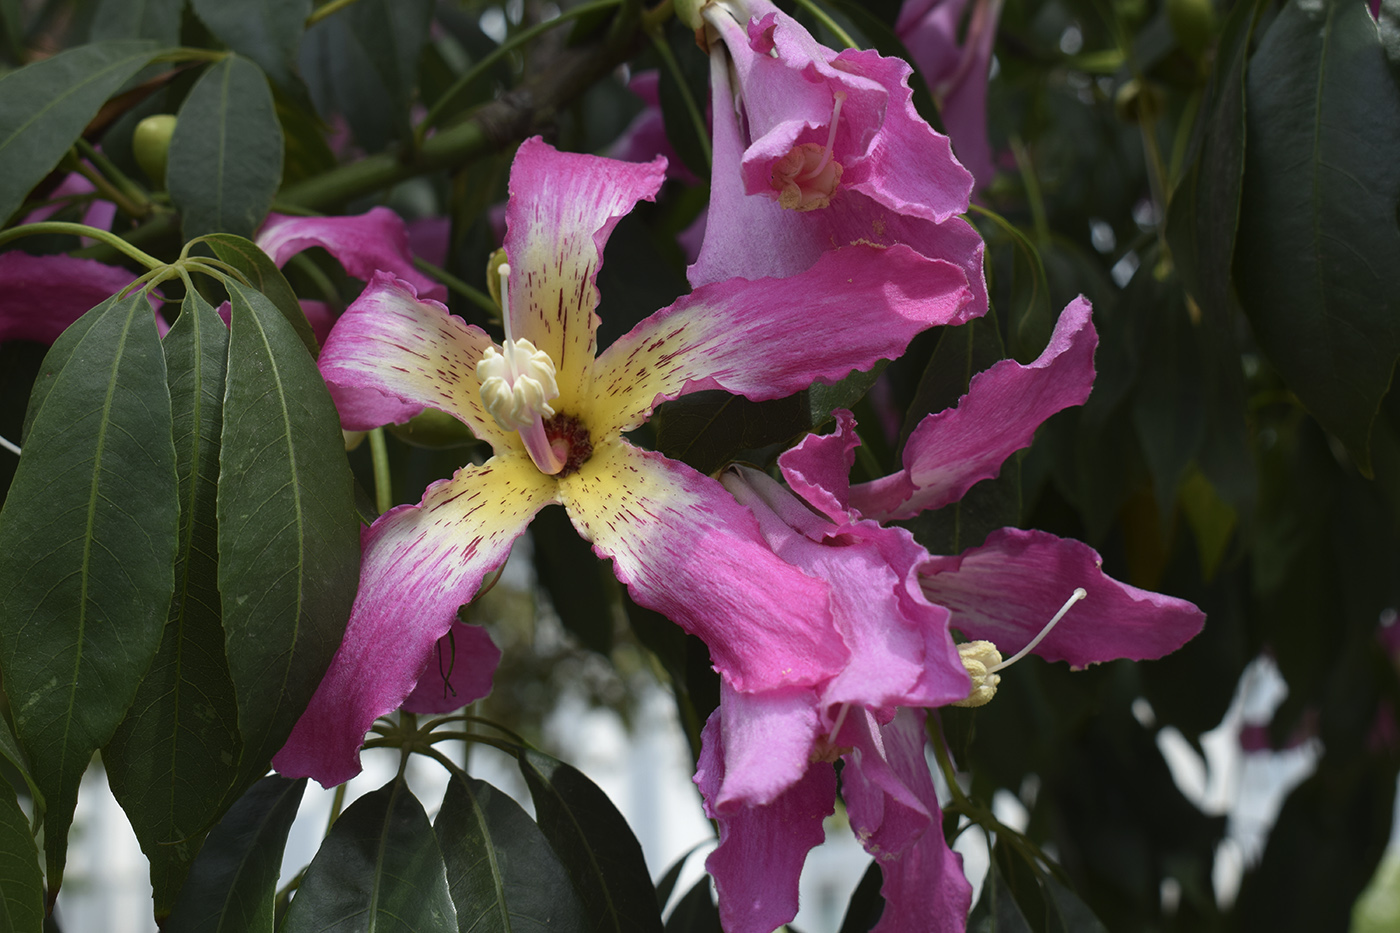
766	761
554	413
815	149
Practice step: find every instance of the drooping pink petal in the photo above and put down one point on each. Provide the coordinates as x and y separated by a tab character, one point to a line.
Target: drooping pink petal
99	213
40	296
952	450
901	651
392	354
752	237
421	562
887	800
757	338
761	848
562	208
429	238
458	671
818	468
685	548
768	742
924	887
1007	590
376	241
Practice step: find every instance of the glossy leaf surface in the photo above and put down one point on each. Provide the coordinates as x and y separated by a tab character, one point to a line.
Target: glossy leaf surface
87	540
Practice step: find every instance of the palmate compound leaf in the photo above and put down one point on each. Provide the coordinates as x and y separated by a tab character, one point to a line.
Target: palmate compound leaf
502	873
289	544
1317	262
175	756
380	869
595	844
233	882
44	107
87	543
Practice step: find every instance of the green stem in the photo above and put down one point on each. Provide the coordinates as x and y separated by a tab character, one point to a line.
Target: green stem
692	108
475	295
825	18
337	804
134	192
501	51
379	454
105	236
335	6
307	267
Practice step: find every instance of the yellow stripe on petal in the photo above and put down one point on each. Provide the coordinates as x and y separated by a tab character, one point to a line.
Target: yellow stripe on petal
687	549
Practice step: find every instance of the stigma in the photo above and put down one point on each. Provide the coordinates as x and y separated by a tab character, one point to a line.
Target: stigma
807	177
982	659
517	385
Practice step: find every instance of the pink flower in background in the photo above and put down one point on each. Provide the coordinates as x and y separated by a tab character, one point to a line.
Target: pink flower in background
956	72
41	296
554	412
645	137
765	770
815	149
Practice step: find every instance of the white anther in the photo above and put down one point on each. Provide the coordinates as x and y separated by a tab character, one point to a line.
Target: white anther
983	660
517	381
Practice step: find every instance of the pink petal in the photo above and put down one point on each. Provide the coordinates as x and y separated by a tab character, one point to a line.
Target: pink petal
952	450
770	338
562	208
40	296
924	887
645	137
421	562
901	652
391	355
1007	590
819	468
768	742
458	671
685	548
761	848
887	787
429	238
376	241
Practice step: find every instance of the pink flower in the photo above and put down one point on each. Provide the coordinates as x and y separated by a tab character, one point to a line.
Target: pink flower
815	149
40	296
766	762
956	73
554	412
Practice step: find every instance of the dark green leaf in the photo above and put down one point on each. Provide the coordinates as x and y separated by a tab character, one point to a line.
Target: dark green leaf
709	429
262	273
175	755
87	540
866	905
289	543
21	881
696	912
1169	406
266	31
44	107
11	752
1318	259
1067	912
379	869
233	881
996	910
502	873
595	844
1205	207
822	400
362	63
225	159
138	19
689	65
579	584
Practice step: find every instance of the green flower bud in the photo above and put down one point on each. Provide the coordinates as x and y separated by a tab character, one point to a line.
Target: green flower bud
150	143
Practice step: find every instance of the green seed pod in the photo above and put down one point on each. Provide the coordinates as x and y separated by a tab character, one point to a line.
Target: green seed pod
150	143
